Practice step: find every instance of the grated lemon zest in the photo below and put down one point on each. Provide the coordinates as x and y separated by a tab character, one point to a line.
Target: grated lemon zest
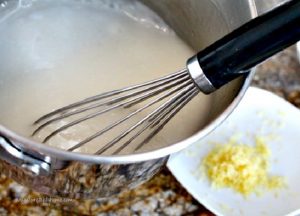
241	167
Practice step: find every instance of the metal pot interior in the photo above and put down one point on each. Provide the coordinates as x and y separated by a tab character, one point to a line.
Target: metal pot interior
199	23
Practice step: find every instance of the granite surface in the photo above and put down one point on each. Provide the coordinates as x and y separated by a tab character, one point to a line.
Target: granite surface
162	195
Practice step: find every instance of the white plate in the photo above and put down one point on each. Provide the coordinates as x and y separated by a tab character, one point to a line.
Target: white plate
260	113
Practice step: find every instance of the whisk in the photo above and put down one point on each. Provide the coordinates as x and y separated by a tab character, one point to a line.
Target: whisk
225	60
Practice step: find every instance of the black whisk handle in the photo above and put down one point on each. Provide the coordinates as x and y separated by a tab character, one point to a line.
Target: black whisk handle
252	43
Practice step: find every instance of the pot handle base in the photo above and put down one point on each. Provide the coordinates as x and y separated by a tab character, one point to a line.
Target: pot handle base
11	154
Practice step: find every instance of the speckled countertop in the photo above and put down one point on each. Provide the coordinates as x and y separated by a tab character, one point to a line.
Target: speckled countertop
162	195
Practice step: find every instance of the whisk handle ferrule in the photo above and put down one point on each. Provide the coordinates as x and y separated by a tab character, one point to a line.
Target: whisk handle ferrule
199	77
233	55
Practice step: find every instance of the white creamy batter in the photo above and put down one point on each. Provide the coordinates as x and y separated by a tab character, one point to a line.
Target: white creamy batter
53	53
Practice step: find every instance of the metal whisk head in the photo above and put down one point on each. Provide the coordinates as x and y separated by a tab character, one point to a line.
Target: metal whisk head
173	91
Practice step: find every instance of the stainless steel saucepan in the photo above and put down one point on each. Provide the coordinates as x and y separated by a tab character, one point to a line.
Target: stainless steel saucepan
60	173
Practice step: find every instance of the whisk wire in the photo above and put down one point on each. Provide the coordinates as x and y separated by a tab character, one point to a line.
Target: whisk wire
169	113
168	116
174	91
149	117
110	94
129	103
116	123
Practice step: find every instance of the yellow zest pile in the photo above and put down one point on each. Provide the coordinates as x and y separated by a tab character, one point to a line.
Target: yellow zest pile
241	167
